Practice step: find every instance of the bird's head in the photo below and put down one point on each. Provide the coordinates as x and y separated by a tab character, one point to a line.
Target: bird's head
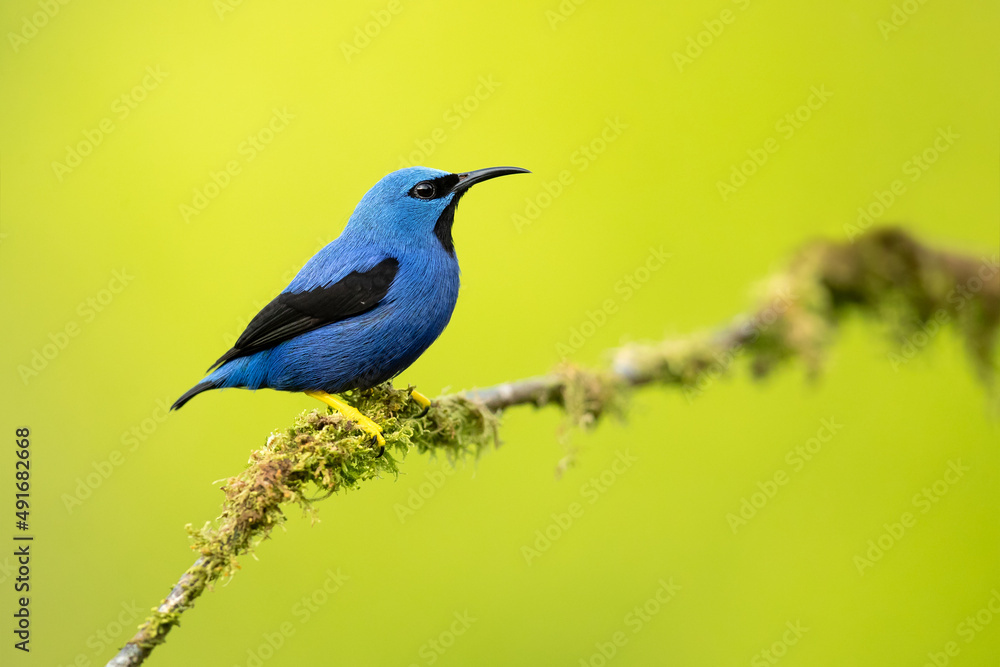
417	204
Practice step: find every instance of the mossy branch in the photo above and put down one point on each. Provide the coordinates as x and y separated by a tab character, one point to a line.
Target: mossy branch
885	274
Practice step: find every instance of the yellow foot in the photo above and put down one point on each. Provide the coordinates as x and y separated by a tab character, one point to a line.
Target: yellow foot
421	400
363	423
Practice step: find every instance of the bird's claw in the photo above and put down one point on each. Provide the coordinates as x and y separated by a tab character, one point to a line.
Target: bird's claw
375	433
420	399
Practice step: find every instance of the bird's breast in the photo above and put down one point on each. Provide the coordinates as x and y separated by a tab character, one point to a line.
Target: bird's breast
425	291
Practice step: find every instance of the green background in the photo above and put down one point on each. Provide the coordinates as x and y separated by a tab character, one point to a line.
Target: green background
193	284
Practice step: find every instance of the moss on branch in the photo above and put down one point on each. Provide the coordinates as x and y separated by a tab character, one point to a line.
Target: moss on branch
887	275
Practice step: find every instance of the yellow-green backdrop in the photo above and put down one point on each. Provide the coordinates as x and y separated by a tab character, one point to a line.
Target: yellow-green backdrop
166	167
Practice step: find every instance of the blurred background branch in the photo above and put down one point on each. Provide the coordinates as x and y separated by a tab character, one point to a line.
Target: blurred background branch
911	288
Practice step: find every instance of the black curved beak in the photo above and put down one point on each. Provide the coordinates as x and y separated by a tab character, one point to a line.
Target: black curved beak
470	178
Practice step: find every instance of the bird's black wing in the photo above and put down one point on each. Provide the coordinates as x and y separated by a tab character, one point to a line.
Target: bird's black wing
291	314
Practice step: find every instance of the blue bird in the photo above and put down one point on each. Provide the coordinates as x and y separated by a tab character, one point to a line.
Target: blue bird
364	307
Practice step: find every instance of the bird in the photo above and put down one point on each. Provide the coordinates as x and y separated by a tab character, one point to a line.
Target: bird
364	307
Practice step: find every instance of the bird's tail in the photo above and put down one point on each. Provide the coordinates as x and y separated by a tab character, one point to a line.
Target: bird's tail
204	385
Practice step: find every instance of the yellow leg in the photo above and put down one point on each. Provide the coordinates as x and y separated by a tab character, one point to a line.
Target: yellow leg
420	398
363	423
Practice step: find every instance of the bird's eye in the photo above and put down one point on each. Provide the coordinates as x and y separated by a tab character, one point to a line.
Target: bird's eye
424	190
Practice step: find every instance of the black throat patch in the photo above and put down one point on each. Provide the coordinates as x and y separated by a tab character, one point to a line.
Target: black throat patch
442	228
443	186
